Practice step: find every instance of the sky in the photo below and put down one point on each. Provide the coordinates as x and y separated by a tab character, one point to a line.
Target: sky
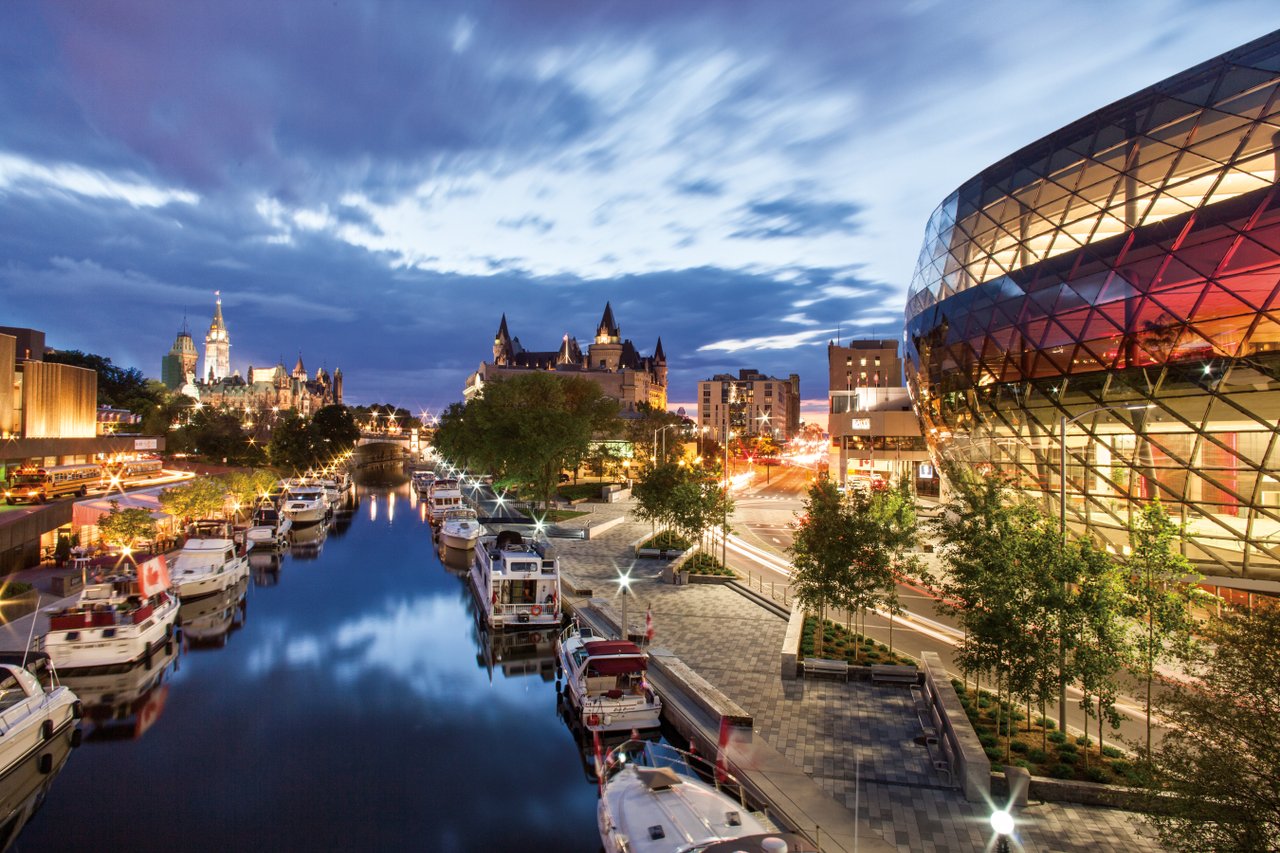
373	184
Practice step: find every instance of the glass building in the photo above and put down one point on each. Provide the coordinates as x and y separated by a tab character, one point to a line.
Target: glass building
1118	283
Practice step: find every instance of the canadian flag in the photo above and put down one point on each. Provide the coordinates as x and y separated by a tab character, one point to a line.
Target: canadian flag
648	624
153	577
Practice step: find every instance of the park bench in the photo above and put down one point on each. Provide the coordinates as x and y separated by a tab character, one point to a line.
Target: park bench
889	674
821	666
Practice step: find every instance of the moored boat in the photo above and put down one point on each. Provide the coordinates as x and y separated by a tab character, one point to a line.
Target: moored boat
606	681
118	621
30	714
516	583
653	800
444	496
305	505
207	564
460	528
269	528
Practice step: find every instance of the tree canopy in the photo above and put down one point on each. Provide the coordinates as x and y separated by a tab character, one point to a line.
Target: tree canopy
126	527
120	387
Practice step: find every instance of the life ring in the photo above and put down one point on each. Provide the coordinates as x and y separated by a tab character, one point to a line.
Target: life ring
535	610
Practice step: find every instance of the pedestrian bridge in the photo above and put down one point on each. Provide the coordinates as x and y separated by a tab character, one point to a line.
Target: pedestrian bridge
401	440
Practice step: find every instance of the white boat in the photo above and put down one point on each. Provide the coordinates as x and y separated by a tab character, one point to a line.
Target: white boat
445	495
605	680
516	583
460	528
206	566
269	530
653	801
305	505
30	715
23	788
121	620
422	481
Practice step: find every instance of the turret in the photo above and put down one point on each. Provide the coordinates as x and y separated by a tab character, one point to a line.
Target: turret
502	350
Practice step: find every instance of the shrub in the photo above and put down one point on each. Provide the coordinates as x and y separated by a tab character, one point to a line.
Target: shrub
1067	749
1083	740
1057	737
1068	758
15	588
987	739
1018	746
984	701
1111	752
1062	771
1095	774
993	753
1037	755
1046	723
882	647
1023	763
958	686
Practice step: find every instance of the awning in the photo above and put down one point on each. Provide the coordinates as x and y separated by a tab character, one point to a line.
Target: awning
87	512
616	665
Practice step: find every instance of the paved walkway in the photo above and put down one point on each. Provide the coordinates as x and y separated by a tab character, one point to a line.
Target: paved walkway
835	732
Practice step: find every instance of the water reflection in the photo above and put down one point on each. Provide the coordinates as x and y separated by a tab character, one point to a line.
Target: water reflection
23	788
358	709
306	543
123	703
209	621
265	568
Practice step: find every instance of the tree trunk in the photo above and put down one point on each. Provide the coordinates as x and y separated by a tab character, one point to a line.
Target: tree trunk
1099	725
891	632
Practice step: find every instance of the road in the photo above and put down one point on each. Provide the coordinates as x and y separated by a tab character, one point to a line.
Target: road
763	531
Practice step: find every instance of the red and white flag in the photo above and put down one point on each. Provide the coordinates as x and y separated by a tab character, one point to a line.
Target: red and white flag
648	624
153	577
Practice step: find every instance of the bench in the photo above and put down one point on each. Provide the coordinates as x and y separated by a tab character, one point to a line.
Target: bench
821	666
888	674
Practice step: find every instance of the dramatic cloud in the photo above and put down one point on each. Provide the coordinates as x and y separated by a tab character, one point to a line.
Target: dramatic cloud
374	184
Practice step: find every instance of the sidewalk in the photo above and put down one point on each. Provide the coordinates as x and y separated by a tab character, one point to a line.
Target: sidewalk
836	733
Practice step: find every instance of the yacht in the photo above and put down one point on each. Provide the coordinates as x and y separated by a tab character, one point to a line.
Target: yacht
605	681
445	495
516	583
422	481
460	528
653	800
123	619
305	505
30	715
208	564
269	529
24	786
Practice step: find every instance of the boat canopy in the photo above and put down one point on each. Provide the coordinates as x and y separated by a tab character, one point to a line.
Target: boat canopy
614	657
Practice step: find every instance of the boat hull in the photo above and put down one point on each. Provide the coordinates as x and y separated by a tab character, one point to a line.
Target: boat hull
212	583
131	643
511	616
305	517
462	542
23	726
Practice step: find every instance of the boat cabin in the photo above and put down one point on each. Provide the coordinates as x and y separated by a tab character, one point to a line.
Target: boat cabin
611	668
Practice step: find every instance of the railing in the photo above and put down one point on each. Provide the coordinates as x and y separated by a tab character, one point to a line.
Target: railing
779	592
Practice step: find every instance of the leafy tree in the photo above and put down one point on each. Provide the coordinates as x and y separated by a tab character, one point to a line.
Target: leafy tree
640	432
219	434
203	497
121	387
125	528
332	432
821	553
1162	586
290	446
1100	645
689	500
1220	760
893	525
246	488
655	495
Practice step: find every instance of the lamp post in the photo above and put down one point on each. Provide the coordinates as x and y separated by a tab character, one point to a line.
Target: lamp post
1062	533
664	442
1002	826
624	583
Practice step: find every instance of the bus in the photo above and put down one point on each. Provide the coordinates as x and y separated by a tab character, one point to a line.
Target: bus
41	484
117	473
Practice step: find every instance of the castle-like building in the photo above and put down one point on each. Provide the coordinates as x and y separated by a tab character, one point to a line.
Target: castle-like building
261	389
611	362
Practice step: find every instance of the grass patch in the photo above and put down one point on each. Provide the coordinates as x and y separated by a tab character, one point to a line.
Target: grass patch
1037	746
554	515
838	643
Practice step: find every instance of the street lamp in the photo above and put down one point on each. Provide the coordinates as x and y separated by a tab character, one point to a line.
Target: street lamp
664	442
1002	826
624	583
1062	533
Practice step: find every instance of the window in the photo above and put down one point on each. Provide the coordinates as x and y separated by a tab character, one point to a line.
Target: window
862	362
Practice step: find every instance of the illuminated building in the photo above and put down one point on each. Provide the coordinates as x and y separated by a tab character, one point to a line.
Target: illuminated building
179	366
1117	279
875	435
611	362
753	403
217	346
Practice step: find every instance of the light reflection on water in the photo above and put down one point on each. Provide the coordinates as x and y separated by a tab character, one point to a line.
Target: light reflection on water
352	706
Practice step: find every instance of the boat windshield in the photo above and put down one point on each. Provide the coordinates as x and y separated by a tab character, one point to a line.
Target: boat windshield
11	692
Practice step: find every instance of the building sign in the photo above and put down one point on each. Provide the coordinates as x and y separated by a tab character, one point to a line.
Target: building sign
144	444
860	423
925	471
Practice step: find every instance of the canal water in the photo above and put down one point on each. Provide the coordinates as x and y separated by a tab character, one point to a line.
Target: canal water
347	702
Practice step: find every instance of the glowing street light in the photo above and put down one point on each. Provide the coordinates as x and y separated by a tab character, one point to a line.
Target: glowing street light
1002	826
624	583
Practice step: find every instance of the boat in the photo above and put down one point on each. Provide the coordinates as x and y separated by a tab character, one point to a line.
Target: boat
208	563
422	481
120	620
516	583
653	800
269	529
305	505
606	681
444	496
30	714
24	787
460	528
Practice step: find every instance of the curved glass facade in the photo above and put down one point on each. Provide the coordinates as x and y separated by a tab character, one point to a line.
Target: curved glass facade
1121	276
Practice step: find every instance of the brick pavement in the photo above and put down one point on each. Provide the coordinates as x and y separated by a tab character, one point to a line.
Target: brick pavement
835	732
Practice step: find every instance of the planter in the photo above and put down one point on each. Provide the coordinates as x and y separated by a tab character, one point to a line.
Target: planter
700	578
661	553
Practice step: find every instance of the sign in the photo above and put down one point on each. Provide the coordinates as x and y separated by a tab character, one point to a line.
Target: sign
860	423
144	444
925	471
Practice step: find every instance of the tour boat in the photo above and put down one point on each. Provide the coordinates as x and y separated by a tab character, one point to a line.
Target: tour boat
605	680
460	528
118	621
653	800
305	505
445	495
30	715
516	583
207	564
269	530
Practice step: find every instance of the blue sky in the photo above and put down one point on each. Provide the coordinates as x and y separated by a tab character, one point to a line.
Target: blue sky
374	184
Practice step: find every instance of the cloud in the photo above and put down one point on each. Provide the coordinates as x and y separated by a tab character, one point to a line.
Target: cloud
766	342
19	174
789	217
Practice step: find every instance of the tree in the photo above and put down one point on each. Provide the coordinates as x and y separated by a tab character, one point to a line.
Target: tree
1216	783
290	446
821	553
203	497
125	528
333	431
1100	646
218	435
121	387
1162	586
246	488
640	432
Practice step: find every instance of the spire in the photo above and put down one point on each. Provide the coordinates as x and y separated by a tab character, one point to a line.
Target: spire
503	334
608	327
218	323
299	371
658	354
